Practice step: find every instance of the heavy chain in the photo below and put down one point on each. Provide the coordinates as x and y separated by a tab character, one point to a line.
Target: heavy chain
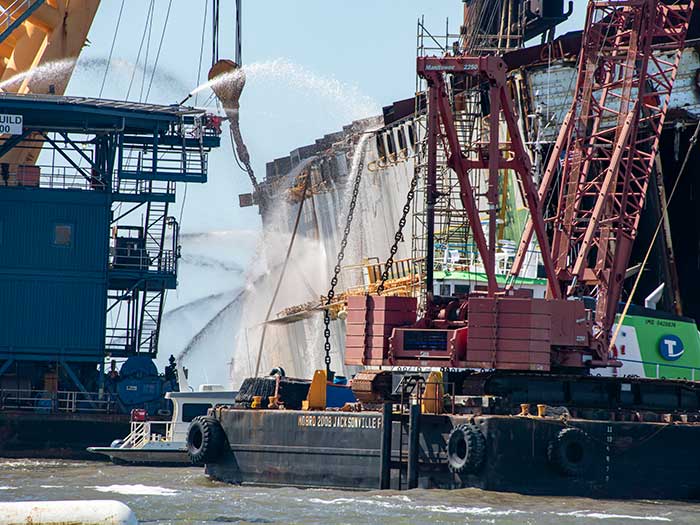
339	261
241	154
398	236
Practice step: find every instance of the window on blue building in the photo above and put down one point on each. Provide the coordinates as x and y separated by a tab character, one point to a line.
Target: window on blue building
63	235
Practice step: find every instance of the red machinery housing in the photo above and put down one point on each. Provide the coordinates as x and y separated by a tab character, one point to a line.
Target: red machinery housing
604	156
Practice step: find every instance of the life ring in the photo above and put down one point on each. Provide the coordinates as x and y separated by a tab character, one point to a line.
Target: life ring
205	439
570	452
466	449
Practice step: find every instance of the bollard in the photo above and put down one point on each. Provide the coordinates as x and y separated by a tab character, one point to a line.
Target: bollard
88	512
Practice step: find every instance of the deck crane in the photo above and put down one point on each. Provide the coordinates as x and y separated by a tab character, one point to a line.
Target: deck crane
603	156
607	145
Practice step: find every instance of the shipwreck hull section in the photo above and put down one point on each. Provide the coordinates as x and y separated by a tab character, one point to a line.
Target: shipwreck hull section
293	343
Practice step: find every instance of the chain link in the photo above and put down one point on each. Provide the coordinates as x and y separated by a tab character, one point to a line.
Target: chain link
398	236
336	270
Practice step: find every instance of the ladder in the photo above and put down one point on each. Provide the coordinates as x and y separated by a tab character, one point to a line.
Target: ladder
408	389
153	296
151	313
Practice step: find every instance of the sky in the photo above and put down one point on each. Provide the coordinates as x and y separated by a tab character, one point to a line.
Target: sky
315	65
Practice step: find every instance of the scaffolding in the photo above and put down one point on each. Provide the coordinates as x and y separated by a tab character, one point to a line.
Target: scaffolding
488	28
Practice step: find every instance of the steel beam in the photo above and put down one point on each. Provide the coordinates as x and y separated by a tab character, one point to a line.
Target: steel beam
492	70
6	366
620	100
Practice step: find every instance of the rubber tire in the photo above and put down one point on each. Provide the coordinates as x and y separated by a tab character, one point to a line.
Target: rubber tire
466	449
570	452
205	440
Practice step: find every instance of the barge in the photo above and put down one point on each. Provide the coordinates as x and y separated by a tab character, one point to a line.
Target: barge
611	450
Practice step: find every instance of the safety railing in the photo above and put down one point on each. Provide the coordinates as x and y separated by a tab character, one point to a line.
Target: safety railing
61	401
51	177
166	163
140	259
144	432
468	259
120	341
432	394
683	371
126	187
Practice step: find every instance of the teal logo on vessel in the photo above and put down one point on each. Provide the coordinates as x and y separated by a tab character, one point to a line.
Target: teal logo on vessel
671	347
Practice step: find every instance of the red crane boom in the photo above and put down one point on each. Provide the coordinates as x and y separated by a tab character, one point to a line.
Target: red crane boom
607	145
604	156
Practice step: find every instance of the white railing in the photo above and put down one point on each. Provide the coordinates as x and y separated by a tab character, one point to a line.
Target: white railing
693	372
142	433
59	401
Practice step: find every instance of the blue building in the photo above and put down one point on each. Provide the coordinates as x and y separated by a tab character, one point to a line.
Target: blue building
88	247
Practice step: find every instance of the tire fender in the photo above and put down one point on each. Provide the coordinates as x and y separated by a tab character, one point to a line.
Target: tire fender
466	449
205	439
570	452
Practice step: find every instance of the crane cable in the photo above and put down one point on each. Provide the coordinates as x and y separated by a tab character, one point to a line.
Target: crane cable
215	32
239	22
201	51
339	260
111	49
282	272
160	46
149	13
148	47
664	211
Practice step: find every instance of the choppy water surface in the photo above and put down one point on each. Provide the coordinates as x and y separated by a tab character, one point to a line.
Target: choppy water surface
182	496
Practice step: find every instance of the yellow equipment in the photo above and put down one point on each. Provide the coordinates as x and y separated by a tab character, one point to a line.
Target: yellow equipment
54	33
316	398
433	394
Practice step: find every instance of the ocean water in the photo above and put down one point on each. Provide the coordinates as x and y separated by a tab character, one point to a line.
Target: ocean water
184	496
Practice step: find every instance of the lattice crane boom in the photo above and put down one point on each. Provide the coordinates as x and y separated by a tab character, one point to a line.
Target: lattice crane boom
606	150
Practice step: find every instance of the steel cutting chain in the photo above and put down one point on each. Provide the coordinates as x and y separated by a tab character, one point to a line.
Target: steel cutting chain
336	270
398	236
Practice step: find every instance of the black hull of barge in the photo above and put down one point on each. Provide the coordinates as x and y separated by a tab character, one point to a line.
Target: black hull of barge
342	450
58	436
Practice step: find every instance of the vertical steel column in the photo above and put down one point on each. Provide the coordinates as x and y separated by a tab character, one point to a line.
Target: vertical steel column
385	447
457	162
492	191
433	131
413	444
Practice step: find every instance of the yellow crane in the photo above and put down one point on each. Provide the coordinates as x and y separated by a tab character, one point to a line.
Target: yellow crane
34	33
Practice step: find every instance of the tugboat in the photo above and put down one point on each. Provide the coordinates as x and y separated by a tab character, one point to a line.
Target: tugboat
163	443
496	388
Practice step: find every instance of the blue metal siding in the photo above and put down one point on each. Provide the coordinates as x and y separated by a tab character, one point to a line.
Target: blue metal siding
53	298
28	230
